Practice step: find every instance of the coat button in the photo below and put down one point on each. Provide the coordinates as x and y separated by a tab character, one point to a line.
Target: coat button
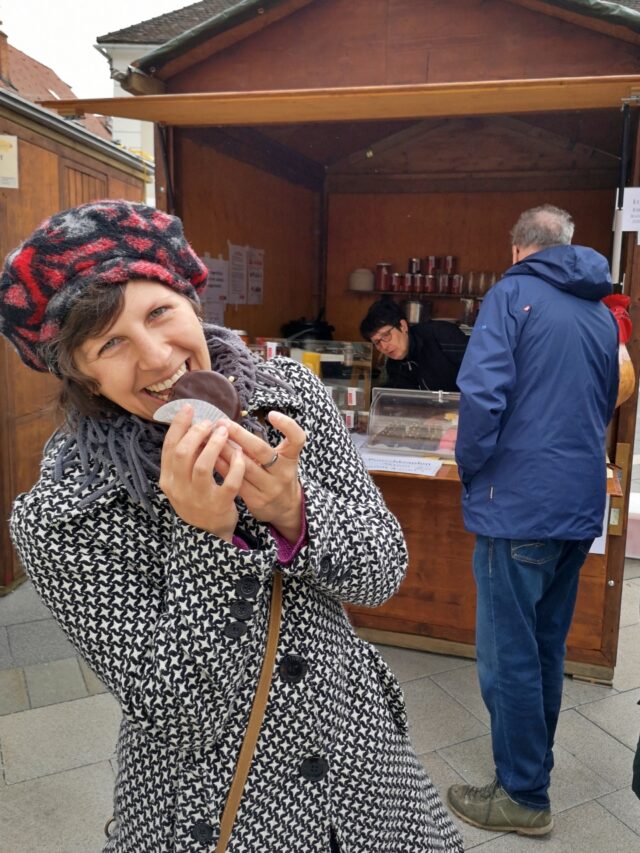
247	587
314	768
202	832
325	562
241	610
293	669
235	630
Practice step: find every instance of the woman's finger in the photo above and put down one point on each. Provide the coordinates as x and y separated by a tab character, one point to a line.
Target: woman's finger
294	436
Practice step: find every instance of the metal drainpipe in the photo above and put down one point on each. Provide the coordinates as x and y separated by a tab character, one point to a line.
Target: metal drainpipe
616	251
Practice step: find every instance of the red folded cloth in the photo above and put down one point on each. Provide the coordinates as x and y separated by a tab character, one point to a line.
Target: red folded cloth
618	304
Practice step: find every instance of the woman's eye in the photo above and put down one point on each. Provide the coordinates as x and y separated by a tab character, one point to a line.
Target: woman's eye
107	346
158	312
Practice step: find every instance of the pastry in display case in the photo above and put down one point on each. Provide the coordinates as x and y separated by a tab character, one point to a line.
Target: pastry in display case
408	421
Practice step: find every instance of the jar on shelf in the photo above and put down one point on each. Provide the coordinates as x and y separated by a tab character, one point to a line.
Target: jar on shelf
455	284
397	281
430	284
430	264
407	282
413	265
444	283
383	277
418	283
449	265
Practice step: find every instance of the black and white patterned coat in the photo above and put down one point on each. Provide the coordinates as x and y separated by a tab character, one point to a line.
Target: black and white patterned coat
149	604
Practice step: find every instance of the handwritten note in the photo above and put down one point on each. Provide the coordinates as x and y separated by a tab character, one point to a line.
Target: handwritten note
423	465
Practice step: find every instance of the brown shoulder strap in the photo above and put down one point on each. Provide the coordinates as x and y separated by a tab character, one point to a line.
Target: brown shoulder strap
255	718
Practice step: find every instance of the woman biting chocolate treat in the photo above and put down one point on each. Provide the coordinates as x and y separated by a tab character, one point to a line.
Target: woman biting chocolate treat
200	569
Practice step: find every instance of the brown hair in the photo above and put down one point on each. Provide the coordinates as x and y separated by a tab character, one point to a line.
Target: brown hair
95	311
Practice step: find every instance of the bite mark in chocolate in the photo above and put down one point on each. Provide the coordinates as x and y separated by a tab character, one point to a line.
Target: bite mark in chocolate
211	387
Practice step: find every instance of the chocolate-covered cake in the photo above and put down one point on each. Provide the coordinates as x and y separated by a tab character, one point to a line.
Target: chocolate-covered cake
211	387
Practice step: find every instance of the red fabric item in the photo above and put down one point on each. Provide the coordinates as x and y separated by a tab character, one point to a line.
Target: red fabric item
618	304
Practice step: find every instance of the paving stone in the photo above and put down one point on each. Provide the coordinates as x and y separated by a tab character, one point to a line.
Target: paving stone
38	642
22	605
627	671
59	737
463	686
631	568
576	692
587	827
6	660
62	813
619	715
408	664
57	681
436	719
624	805
13	691
630	607
596	749
94	685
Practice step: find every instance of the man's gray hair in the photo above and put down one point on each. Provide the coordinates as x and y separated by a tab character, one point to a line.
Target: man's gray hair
543	226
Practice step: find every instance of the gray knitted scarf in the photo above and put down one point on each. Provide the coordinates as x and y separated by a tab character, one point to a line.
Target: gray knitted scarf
90	450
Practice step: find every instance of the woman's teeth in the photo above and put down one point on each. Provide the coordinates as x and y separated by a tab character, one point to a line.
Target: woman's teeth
162	389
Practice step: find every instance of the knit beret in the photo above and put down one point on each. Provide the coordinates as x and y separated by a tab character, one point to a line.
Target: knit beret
105	242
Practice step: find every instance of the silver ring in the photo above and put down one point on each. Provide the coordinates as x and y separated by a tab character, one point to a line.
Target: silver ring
271	461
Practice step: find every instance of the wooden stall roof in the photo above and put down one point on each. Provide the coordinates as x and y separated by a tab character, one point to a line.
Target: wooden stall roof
366	102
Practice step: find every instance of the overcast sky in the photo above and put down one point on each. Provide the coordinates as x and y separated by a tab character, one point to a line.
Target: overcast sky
61	34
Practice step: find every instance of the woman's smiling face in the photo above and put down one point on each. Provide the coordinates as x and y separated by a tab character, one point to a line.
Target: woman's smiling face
139	357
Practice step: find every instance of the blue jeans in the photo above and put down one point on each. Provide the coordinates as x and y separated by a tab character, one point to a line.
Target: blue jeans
526	598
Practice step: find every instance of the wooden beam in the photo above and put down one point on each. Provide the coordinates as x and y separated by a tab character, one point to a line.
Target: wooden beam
364	103
583	153
589	22
256	149
473	182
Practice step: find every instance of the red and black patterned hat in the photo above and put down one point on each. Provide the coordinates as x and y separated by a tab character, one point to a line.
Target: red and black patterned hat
108	242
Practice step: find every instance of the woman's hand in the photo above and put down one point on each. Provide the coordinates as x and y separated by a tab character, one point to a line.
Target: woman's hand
269	488
189	456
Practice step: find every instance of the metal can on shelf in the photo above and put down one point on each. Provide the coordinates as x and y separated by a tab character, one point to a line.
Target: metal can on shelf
430	264
383	276
444	283
430	283
418	283
407	282
455	284
397	280
414	265
449	264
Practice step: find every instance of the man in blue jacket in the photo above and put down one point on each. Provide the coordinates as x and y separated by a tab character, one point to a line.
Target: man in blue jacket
539	383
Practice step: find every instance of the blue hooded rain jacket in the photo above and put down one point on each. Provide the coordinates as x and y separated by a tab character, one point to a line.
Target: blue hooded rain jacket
539	382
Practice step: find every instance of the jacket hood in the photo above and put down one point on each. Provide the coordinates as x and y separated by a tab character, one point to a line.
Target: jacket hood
578	270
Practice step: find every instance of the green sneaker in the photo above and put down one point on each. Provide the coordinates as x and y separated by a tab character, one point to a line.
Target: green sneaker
492	808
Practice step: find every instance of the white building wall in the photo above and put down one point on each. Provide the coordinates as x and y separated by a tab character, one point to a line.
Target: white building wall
134	135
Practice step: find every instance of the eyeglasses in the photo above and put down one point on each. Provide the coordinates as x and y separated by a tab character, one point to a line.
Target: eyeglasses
383	337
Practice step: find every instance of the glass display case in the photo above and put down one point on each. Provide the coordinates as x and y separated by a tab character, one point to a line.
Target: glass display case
405	421
343	366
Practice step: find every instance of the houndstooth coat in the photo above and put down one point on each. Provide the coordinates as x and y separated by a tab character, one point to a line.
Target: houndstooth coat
173	620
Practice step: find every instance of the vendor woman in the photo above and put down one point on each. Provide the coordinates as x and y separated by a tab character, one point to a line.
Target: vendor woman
426	356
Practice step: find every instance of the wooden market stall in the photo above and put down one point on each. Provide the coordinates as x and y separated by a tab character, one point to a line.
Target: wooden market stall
338	133
59	165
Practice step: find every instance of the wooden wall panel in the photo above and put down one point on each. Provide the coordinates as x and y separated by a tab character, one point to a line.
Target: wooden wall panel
223	200
437	598
53	175
365	229
119	188
374	42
